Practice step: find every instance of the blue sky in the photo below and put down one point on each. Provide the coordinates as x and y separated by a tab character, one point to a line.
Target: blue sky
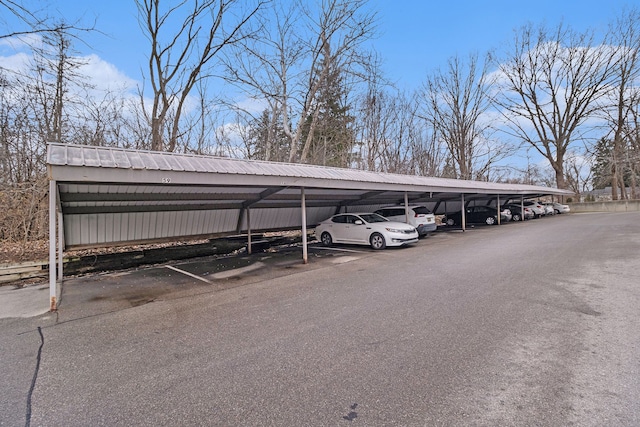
421	35
416	36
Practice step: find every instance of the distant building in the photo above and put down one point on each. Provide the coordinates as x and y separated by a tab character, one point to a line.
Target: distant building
601	195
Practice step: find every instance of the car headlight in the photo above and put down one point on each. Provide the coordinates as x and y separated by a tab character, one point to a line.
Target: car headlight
397	230
393	230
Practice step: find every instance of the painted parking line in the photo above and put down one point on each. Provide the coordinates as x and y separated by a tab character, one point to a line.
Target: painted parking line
344	259
237	271
341	250
195	276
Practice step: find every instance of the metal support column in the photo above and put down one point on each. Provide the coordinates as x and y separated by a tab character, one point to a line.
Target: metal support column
52	246
406	208
303	208
248	210
60	245
464	215
498	209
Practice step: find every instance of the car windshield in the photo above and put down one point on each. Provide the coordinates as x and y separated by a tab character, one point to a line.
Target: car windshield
372	217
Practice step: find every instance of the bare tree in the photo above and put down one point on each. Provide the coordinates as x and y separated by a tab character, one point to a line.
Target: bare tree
339	29
36	22
552	82
632	136
291	59
180	58
261	67
56	69
391	136
376	114
578	172
625	34
456	102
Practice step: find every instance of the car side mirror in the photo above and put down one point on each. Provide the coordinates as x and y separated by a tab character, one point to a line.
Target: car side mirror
358	222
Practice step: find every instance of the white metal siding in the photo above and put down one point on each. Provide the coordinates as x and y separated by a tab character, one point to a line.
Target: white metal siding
109	228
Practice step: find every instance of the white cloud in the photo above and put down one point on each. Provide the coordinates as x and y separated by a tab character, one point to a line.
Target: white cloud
16	55
252	105
104	76
23	42
18	62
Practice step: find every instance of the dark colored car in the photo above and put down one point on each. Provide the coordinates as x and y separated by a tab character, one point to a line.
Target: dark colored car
477	215
516	212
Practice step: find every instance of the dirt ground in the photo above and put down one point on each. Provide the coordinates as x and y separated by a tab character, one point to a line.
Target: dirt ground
13	253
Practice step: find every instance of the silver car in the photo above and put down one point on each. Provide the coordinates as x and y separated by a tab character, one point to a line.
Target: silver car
559	208
537	208
548	209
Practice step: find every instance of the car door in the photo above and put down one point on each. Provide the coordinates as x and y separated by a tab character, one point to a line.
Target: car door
356	230
478	214
472	214
338	228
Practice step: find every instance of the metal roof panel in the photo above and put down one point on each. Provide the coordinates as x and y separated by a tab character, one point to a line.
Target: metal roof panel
112	195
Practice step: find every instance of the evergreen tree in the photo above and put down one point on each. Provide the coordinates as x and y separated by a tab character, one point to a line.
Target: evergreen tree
267	140
602	167
332	137
604	164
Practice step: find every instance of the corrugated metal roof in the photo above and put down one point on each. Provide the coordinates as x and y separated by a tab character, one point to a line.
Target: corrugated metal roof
112	195
119	158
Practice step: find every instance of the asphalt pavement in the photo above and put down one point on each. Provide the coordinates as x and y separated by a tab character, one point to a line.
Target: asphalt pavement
17	300
533	323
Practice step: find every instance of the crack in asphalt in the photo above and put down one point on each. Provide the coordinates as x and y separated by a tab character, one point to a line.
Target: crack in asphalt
33	380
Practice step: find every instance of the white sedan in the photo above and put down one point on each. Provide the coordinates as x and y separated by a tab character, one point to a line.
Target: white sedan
365	229
559	208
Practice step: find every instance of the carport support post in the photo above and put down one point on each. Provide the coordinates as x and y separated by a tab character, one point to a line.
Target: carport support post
60	246
463	210
52	246
498	209
303	208
249	231
406	208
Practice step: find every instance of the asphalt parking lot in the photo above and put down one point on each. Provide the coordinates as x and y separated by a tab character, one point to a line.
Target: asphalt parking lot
524	324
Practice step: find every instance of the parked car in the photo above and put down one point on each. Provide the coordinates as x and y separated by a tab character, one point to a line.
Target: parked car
419	216
559	208
548	209
537	208
516	212
478	215
365	229
505	214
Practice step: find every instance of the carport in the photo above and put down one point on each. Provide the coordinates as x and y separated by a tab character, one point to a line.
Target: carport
104	196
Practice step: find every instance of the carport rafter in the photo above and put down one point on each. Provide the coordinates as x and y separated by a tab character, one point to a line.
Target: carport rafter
245	207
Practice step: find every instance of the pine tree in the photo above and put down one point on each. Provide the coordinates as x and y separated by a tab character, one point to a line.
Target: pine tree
332	136
267	140
602	167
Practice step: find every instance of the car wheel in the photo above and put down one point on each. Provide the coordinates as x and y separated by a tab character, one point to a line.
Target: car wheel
490	220
377	241
450	221
556	212
326	239
516	217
